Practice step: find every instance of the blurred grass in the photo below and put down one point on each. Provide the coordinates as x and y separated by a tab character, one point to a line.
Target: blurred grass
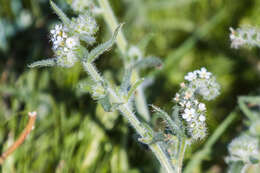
73	133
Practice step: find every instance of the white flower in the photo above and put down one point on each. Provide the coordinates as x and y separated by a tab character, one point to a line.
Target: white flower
202	118
196	102
188	114
58	36
202	107
243	148
203	73
71	42
188	104
191	76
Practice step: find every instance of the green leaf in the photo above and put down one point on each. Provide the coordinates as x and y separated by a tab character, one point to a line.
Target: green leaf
105	103
171	124
145	41
60	13
84	86
148	62
96	52
134	87
126	83
44	63
253	160
242	102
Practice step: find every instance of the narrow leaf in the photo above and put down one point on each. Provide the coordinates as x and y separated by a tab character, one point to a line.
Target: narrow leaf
84	86
148	62
96	52
134	87
60	13
242	102
145	41
44	63
105	103
126	83
171	124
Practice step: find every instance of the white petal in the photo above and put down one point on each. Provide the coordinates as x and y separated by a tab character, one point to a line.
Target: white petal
202	118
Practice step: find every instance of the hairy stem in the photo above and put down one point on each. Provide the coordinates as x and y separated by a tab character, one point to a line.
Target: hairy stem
111	21
131	117
182	149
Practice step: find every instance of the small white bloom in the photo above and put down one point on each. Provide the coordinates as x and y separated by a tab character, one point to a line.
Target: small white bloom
202	118
191	76
188	114
203	73
184	116
71	42
188	104
202	107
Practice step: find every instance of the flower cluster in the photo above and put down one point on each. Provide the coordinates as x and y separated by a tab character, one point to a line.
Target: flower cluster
64	45
199	82
66	38
243	148
244	36
80	5
85	26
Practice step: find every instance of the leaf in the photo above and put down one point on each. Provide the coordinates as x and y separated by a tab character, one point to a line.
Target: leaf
126	83
242	102
134	87
96	52
84	86
171	124
88	39
145	41
105	103
253	160
44	63
148	62
60	13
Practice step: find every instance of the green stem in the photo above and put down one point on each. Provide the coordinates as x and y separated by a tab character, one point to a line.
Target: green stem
131	117
183	145
121	42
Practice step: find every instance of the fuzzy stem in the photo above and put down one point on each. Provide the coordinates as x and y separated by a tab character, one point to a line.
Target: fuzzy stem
182	149
111	21
131	117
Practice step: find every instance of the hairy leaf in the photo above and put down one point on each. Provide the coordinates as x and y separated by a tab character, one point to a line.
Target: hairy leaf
148	62
96	52
44	63
60	13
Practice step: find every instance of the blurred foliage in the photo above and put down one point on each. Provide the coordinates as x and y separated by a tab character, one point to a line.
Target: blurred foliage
74	134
